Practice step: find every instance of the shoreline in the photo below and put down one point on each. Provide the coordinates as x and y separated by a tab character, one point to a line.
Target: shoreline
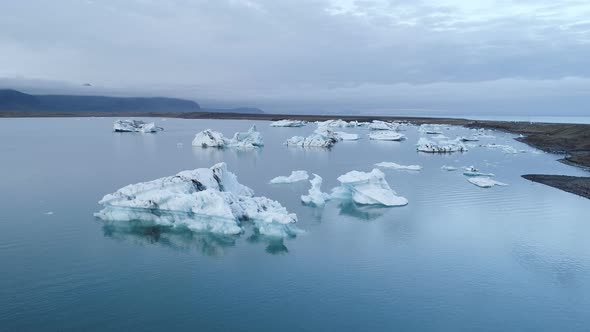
572	140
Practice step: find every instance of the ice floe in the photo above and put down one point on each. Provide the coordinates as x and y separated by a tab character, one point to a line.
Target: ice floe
135	126
504	148
288	123
203	200
386	164
343	136
337	123
382	125
430	129
485	182
315	196
295	176
208	138
473	172
448	168
443	146
321	137
468	139
386	135
367	189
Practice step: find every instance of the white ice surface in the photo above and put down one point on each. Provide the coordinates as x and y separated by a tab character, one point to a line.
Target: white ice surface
386	135
321	137
346	136
367	189
288	123
426	145
485	182
135	126
315	196
295	176
386	164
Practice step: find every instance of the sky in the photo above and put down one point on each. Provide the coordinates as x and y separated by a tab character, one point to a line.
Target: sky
336	56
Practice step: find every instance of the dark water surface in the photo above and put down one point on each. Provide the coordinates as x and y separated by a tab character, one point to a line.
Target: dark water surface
458	257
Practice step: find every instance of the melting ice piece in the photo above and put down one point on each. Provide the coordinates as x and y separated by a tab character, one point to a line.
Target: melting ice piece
204	200
346	136
485	182
337	123
426	145
315	196
468	139
367	189
430	129
386	164
448	168
504	148
288	123
135	126
209	138
295	176
321	137
386	135
382	125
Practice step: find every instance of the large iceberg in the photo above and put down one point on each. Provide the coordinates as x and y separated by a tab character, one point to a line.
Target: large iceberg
315	196
382	125
203	200
295	176
321	137
426	145
367	189
386	164
485	182
288	123
135	126
386	135
208	138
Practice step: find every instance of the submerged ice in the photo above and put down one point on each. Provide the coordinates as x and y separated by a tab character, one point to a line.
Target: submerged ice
203	200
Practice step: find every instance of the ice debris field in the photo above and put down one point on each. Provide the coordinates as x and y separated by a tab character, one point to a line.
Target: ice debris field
212	199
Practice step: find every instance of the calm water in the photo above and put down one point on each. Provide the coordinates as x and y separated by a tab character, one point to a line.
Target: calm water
457	258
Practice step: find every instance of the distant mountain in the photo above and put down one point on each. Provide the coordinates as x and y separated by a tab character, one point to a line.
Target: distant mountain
16	101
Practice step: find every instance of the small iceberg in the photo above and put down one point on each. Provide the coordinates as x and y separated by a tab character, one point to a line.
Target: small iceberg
367	189
386	135
399	167
485	182
295	176
288	123
504	148
448	168
202	200
346	136
430	129
337	124
474	172
208	138
382	125
321	137
468	139
426	145
315	196
138	126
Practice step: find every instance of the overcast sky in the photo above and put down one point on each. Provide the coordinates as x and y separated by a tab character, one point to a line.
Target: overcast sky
453	56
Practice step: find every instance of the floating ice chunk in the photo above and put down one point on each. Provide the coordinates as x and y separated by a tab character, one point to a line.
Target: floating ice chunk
472	171
321	137
382	125
430	129
504	148
135	126
468	139
426	145
440	136
204	199
288	123
346	136
209	138
337	123
295	176
485	182
50	213
315	196
386	135
448	168
367	189
398	166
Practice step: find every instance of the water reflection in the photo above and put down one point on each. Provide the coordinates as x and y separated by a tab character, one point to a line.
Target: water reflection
174	238
364	212
274	246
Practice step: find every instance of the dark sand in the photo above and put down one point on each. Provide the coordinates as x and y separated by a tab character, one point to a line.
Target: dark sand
572	140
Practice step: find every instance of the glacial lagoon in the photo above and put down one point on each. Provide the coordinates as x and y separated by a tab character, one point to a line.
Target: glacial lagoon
457	257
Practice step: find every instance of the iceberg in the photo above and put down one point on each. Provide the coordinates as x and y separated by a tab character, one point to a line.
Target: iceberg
138	126
315	196
288	123
399	167
321	137
448	168
208	138
504	148
386	135
202	200
346	136
472	171
382	125
430	129
468	139
485	182
426	145
367	189
337	123
295	176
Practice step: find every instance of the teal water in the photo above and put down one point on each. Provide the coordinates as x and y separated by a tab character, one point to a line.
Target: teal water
457	258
